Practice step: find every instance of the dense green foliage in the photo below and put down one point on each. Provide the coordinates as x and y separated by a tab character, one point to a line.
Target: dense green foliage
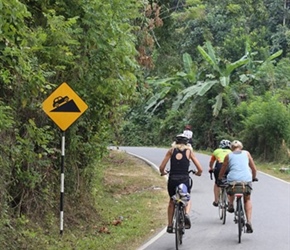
266	126
91	46
231	55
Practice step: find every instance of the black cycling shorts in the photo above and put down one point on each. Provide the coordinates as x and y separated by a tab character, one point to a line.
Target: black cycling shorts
174	181
216	171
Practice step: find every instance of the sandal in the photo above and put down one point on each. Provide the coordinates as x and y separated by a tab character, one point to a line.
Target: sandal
249	228
215	204
231	208
187	221
169	229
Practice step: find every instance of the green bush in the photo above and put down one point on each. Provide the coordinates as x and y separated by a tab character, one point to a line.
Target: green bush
266	126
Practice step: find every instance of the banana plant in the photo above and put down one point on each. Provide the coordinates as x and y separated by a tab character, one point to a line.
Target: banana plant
186	86
221	75
173	85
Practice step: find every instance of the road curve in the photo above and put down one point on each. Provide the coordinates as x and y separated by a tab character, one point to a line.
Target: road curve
271	213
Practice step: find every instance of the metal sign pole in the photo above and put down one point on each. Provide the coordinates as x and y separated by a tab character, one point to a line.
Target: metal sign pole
64	107
62	181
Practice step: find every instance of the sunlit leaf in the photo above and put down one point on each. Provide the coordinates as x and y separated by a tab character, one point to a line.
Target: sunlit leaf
187	62
177	101
205	86
190	91
275	55
218	104
156	98
208	58
224	81
232	66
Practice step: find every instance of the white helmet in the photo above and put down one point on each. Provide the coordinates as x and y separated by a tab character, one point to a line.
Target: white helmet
225	144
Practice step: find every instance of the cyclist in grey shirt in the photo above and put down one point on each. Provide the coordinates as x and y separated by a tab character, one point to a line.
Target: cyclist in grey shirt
241	168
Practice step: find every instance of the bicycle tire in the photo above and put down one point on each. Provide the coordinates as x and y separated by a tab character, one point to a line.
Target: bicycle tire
220	208
224	205
177	227
182	224
239	214
190	183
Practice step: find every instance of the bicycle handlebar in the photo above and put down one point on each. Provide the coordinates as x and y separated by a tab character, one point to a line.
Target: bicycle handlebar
190	171
210	172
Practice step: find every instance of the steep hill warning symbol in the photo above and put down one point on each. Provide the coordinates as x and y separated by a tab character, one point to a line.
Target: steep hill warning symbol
64	106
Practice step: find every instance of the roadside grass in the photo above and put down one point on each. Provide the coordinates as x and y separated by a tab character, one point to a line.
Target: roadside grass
278	170
128	206
132	200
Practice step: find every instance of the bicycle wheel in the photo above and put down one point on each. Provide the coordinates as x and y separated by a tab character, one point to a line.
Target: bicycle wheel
239	214
221	215
224	205
181	224
177	227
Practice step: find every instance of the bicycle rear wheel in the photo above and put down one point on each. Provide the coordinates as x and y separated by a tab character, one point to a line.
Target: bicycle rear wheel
178	233
221	215
239	214
224	205
182	223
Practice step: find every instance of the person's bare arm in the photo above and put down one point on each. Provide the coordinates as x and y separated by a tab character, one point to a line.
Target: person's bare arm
164	162
211	162
224	168
196	163
252	166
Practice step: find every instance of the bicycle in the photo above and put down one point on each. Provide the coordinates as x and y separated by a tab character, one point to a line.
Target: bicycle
223	199
180	199
239	189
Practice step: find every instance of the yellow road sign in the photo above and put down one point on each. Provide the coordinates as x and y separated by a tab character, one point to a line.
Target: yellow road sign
64	106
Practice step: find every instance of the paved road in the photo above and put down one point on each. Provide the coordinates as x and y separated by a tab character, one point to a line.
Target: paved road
271	214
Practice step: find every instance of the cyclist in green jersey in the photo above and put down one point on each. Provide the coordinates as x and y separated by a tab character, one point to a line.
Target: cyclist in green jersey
218	156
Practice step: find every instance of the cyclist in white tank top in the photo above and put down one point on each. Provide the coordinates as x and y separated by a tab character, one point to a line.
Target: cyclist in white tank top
188	133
